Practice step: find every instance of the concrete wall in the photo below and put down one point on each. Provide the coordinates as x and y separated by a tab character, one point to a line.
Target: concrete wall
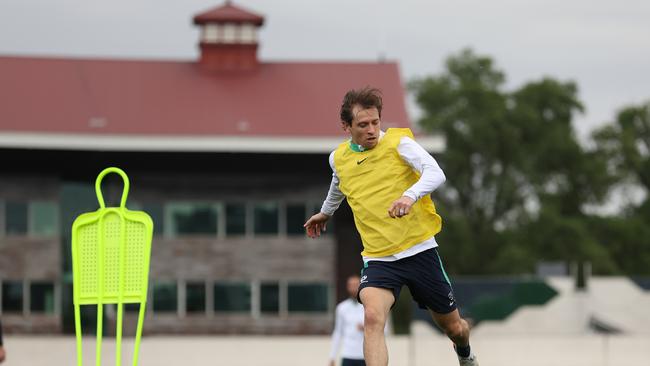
30	258
271	258
274	259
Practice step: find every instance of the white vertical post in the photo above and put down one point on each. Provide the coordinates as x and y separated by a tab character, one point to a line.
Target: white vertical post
255	299
209	298
26	298
181	291
283	294
150	300
57	298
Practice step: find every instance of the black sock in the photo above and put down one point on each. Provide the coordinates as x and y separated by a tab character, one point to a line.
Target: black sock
463	351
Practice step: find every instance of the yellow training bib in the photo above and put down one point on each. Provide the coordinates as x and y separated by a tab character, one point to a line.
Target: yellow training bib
371	180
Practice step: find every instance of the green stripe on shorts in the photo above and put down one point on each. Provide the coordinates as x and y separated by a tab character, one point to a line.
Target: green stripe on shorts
443	269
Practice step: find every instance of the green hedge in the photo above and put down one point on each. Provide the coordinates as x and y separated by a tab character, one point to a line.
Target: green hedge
531	292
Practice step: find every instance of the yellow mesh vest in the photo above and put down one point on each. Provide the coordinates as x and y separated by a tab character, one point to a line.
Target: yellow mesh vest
371	180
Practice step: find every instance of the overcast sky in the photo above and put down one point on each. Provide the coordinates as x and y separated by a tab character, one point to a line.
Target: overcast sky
604	46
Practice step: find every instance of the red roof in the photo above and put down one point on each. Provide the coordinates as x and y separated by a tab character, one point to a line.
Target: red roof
125	97
228	13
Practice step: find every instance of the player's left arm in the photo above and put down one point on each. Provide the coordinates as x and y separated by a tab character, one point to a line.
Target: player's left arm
431	176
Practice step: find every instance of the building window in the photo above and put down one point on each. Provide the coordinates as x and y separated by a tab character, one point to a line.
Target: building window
132	307
36	218
41	296
247	34
270	298
232	297
12	297
156	212
265	215
15	218
191	218
195	297
235	219
44	218
211	33
229	34
296	217
308	297
165	297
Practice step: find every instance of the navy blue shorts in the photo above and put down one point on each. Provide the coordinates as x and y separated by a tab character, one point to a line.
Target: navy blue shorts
422	273
351	362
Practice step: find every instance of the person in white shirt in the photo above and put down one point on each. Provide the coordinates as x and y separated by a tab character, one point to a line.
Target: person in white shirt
348	328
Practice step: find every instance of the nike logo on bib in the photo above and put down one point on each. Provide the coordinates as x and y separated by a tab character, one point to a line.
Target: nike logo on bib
361	161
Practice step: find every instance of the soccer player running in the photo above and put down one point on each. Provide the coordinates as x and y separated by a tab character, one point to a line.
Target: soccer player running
387	179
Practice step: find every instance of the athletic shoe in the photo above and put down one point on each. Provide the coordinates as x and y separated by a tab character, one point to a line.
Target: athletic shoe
468	361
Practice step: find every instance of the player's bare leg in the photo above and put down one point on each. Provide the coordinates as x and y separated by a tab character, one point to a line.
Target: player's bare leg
457	329
376	303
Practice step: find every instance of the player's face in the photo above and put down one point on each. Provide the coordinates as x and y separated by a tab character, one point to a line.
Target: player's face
365	126
353	286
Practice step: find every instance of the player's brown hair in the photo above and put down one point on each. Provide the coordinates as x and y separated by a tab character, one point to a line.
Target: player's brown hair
367	97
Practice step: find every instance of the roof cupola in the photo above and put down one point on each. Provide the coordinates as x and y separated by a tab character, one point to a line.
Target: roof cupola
228	38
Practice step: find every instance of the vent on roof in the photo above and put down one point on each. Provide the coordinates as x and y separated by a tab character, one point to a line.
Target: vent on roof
97	122
243	125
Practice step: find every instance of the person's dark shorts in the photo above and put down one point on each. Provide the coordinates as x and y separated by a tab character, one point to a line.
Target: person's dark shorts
424	275
351	362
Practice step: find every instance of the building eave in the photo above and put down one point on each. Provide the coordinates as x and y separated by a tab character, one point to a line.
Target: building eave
186	143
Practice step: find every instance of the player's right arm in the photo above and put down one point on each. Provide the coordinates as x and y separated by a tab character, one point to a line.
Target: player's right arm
318	222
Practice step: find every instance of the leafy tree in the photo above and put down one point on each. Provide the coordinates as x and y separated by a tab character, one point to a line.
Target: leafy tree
627	239
564	175
626	143
517	177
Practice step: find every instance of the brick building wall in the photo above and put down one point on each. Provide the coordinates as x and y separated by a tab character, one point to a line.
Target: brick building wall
283	263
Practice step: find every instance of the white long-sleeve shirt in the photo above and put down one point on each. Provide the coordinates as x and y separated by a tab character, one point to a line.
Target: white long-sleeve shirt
431	177
348	330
